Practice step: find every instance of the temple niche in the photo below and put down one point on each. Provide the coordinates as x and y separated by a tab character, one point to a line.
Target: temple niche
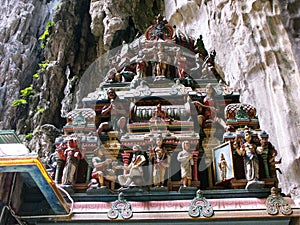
163	120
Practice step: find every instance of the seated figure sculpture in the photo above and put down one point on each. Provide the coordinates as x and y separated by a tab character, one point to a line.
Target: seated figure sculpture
159	114
102	169
135	175
208	109
116	109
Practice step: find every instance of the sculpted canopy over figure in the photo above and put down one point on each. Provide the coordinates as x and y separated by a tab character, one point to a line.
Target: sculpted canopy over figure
160	30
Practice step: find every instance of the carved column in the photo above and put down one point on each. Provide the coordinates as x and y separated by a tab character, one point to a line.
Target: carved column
195	169
126	160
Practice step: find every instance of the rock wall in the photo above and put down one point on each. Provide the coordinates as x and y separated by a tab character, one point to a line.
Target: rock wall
258	50
69	51
22	23
115	21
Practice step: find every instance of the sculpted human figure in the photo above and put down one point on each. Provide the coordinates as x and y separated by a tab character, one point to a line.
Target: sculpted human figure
141	66
268	153
222	165
161	161
73	156
181	63
208	108
135	175
159	114
102	169
248	150
117	111
58	158
186	162
238	159
162	60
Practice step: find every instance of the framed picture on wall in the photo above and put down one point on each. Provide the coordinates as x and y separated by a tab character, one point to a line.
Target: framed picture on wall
222	164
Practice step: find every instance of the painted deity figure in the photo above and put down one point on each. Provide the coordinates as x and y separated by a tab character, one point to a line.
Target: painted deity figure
141	66
162	60
186	162
248	151
73	157
102	169
238	158
116	109
135	175
161	161
58	158
181	63
222	165
159	114
268	153
208	109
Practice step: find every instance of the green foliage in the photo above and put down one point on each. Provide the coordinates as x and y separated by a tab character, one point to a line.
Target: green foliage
19	102
36	75
45	36
26	92
43	66
40	110
28	136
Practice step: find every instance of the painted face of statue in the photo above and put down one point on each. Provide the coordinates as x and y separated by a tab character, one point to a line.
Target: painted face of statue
111	94
248	137
159	142
186	146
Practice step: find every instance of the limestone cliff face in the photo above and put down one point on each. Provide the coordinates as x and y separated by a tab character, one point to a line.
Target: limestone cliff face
70	49
21	24
115	21
257	50
257	45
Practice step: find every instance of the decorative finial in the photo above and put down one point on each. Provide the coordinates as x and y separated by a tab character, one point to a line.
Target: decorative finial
275	204
199	206
120	208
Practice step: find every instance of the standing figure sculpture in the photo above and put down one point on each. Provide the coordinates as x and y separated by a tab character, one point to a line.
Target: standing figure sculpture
73	156
186	160
268	153
116	110
161	161
248	150
181	64
135	175
222	165
162	60
58	159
